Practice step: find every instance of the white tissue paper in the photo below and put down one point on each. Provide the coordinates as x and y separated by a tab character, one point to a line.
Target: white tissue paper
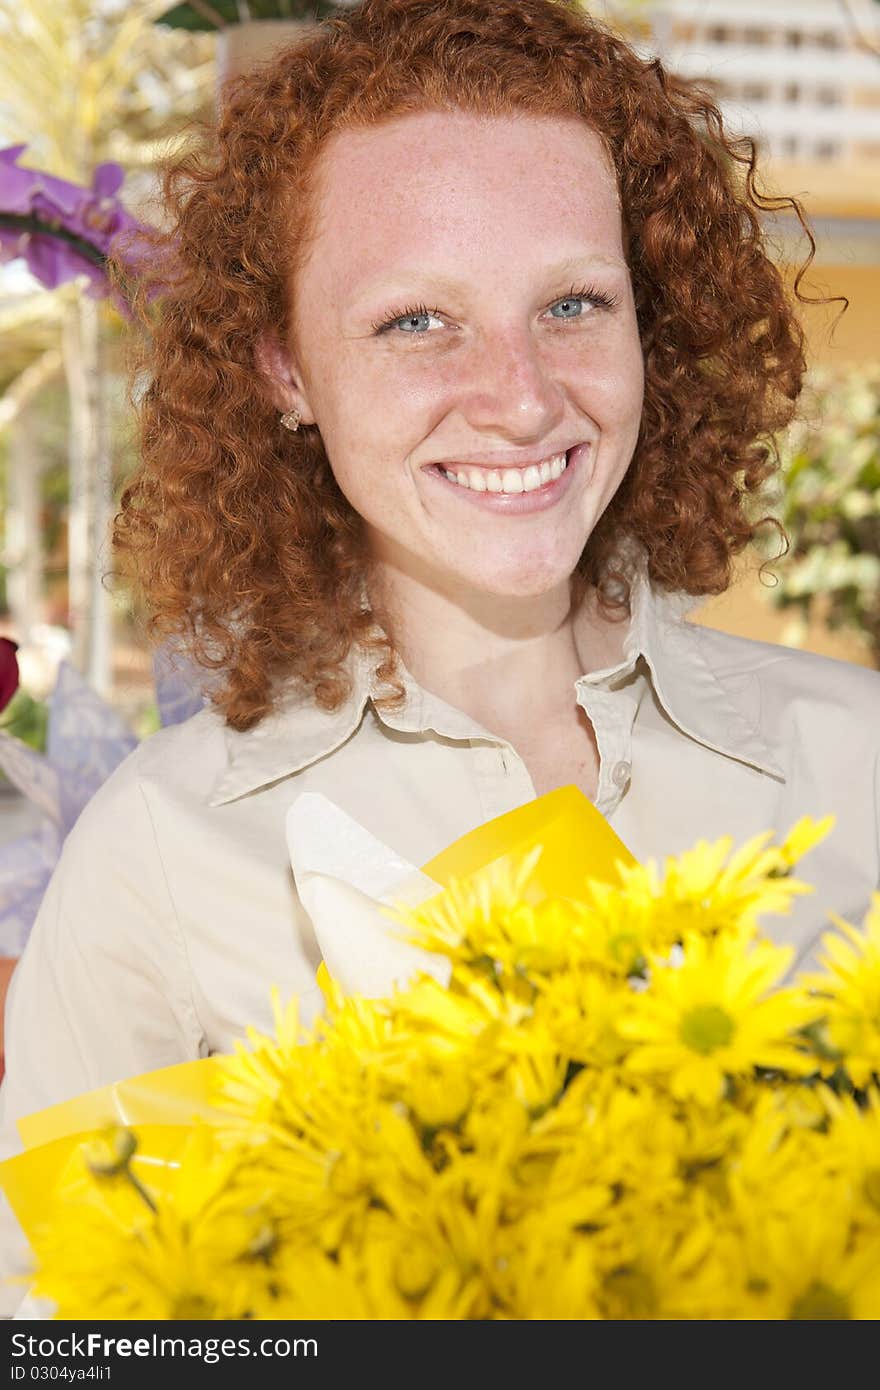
344	877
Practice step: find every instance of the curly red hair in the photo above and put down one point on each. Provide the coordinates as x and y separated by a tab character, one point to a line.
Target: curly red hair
243	544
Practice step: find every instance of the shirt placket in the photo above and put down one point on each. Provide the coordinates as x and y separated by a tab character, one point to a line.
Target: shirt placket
612	714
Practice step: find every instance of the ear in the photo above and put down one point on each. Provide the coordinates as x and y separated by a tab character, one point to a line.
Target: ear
280	376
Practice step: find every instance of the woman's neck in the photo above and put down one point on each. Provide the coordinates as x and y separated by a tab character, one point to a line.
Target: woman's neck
506	662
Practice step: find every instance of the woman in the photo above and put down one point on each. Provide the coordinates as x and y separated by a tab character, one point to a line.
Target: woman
459	395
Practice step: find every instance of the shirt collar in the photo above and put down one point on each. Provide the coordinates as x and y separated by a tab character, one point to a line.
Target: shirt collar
699	699
696	698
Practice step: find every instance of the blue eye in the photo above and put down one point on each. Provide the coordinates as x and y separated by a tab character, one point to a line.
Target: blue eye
413	321
572	304
571	308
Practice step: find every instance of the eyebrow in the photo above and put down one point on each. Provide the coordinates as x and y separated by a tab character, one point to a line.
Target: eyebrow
571	265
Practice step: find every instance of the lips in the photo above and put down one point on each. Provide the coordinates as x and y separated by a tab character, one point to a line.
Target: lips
507	480
501	462
511	503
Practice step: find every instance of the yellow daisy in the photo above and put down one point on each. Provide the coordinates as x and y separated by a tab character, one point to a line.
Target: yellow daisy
851	1152
809	1267
716	1017
850	994
670	1267
482	918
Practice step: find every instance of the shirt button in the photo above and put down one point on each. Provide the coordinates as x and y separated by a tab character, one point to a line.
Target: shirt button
621	774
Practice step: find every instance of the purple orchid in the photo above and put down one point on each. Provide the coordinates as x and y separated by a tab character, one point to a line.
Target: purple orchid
8	670
62	229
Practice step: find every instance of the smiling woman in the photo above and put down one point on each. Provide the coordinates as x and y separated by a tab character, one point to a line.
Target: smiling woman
438	422
449	233
465	356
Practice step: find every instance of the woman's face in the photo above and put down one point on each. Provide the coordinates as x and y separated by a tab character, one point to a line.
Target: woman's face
466	309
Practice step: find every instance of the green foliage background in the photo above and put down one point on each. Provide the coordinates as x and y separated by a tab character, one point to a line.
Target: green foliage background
829	503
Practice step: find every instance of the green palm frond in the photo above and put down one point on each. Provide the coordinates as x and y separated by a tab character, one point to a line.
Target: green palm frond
74	77
217	14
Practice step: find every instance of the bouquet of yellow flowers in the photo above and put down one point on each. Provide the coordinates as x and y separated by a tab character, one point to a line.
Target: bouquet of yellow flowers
602	1105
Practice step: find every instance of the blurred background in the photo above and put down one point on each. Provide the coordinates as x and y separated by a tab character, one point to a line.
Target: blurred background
86	83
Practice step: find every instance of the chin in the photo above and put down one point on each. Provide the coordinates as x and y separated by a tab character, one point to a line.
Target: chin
532	583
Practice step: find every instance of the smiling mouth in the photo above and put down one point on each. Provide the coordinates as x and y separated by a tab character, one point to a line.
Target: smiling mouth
507	480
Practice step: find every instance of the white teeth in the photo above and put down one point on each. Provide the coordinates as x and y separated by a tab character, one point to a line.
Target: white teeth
509	480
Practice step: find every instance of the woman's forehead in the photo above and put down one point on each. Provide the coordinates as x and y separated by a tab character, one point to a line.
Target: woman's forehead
451	180
421	146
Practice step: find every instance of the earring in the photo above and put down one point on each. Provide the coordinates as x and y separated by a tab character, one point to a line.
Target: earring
290	420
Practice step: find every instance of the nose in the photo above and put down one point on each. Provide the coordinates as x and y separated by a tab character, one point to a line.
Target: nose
509	388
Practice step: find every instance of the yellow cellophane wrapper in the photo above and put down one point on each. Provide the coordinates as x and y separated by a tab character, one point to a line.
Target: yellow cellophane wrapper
577	844
160	1107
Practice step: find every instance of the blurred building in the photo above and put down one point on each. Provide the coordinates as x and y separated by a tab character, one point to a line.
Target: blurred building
802	78
799	75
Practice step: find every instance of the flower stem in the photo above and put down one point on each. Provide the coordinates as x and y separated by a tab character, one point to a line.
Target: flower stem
141	1190
28	223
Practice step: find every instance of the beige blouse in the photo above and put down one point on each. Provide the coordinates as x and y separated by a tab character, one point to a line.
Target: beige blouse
173	909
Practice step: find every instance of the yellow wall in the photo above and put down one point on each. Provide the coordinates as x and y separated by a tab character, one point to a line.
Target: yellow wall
744	612
855	337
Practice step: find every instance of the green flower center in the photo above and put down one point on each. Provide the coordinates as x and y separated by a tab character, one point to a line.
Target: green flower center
706	1027
872	1187
820	1304
415	1270
629	1293
625	948
191	1307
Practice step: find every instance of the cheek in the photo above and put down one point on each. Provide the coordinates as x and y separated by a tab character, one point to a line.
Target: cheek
413	383
384	399
616	395
368	463
615	373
